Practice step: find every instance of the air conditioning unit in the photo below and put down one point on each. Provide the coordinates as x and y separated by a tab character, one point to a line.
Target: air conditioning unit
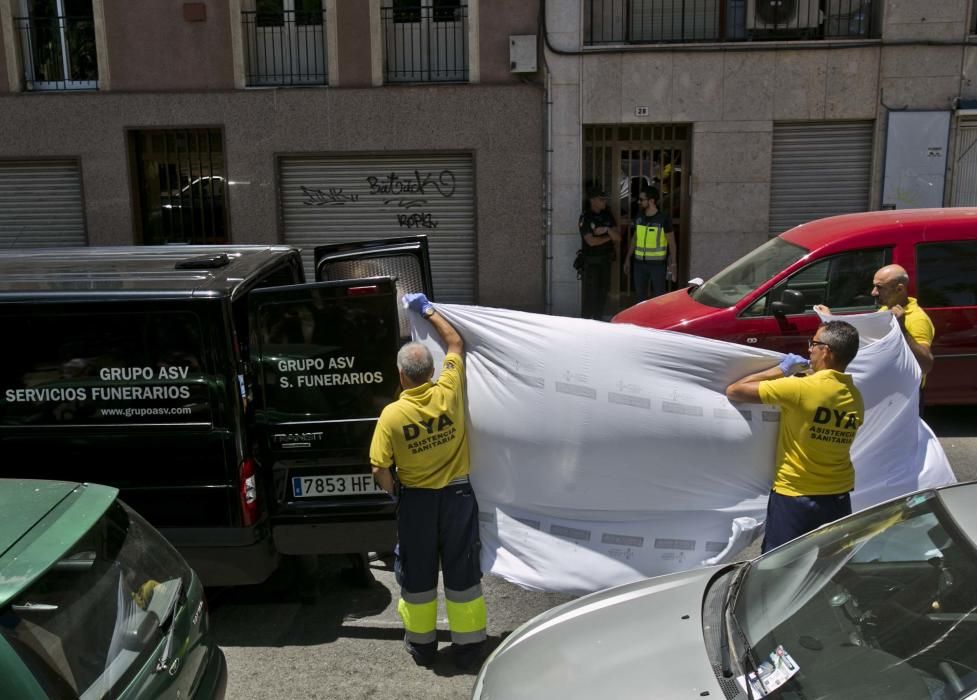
784	17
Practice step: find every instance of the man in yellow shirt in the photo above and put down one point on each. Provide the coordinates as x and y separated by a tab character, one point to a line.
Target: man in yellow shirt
891	287
423	434
819	415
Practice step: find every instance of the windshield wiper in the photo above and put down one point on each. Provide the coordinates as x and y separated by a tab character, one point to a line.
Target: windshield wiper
168	616
731	589
730	622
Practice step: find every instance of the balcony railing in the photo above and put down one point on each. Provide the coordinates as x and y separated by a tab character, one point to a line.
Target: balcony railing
684	21
425	44
59	52
285	47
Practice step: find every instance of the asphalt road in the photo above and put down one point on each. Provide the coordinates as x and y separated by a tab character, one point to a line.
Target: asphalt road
347	643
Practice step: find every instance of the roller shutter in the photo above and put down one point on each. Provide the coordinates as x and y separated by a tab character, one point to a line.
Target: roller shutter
965	164
819	169
339	199
41	204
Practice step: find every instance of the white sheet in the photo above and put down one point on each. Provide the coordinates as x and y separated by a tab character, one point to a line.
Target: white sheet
605	453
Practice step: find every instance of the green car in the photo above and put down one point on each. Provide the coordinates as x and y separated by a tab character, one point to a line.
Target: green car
94	603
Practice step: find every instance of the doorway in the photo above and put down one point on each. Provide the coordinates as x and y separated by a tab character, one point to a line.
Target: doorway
623	159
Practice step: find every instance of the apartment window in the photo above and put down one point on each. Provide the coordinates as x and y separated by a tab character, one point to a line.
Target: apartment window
425	40
180	188
57	39
285	41
683	21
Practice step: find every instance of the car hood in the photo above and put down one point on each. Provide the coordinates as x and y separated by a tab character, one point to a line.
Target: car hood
670	311
640	640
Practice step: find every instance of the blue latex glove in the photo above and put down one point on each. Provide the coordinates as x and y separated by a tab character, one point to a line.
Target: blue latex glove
792	364
418	303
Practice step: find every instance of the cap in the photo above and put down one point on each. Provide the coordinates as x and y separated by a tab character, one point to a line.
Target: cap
596	192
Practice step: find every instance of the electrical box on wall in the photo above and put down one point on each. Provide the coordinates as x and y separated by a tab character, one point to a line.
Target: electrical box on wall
522	53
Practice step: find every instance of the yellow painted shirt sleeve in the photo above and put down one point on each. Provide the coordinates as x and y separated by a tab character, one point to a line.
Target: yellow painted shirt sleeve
819	416
381	447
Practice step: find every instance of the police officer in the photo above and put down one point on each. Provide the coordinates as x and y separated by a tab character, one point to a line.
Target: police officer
819	415
423	434
598	238
652	248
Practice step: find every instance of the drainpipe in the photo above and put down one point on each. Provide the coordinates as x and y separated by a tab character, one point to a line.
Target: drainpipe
548	193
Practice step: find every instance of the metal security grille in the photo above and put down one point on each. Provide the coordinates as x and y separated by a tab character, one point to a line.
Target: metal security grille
624	159
41	204
285	42
342	199
819	169
965	164
425	40
682	21
181	189
57	40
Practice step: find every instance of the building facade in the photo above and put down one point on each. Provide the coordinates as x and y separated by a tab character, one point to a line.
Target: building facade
752	116
479	123
266	121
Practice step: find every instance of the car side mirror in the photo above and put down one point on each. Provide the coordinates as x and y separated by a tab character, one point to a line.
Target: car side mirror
696	282
139	638
791	302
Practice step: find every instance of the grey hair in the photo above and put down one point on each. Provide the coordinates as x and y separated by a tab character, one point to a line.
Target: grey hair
415	361
842	338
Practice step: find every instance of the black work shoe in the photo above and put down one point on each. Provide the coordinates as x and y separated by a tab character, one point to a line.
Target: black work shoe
423	654
468	657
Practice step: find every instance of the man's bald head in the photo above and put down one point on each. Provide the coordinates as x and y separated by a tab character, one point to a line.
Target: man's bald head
890	285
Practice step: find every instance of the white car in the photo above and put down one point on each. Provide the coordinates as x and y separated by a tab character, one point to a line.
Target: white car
881	604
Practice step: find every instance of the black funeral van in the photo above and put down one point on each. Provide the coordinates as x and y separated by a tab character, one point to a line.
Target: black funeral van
229	401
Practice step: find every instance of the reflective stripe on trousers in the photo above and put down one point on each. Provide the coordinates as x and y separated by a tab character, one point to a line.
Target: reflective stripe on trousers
649	242
419	611
466	614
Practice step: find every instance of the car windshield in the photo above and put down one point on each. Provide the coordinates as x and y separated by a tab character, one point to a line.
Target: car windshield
92	621
748	273
878	605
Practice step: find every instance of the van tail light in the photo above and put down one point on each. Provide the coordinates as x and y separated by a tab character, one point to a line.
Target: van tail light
247	480
362	290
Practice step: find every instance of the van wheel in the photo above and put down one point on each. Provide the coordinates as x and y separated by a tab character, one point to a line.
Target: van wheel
308	578
359	573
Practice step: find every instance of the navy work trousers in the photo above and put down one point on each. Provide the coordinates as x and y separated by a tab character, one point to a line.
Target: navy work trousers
438	526
792	516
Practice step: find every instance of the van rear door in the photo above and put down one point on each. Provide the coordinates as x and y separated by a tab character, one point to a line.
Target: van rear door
325	367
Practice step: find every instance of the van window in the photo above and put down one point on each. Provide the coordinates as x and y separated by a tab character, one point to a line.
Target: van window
748	273
323	355
103	368
947	273
842	282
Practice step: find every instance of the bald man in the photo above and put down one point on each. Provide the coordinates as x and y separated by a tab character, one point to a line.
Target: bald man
890	286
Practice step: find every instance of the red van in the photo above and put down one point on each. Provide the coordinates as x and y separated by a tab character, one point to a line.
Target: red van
766	298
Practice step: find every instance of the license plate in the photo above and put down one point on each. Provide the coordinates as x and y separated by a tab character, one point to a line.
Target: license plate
337	485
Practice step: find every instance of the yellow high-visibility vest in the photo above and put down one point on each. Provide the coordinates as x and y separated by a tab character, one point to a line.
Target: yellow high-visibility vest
649	242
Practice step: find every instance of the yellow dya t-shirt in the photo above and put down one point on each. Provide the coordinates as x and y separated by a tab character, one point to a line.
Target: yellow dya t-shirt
819	415
918	325
423	432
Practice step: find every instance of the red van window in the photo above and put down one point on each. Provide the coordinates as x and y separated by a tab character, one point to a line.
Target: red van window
947	273
843	282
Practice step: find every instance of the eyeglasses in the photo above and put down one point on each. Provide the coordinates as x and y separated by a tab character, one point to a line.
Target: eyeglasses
811	343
